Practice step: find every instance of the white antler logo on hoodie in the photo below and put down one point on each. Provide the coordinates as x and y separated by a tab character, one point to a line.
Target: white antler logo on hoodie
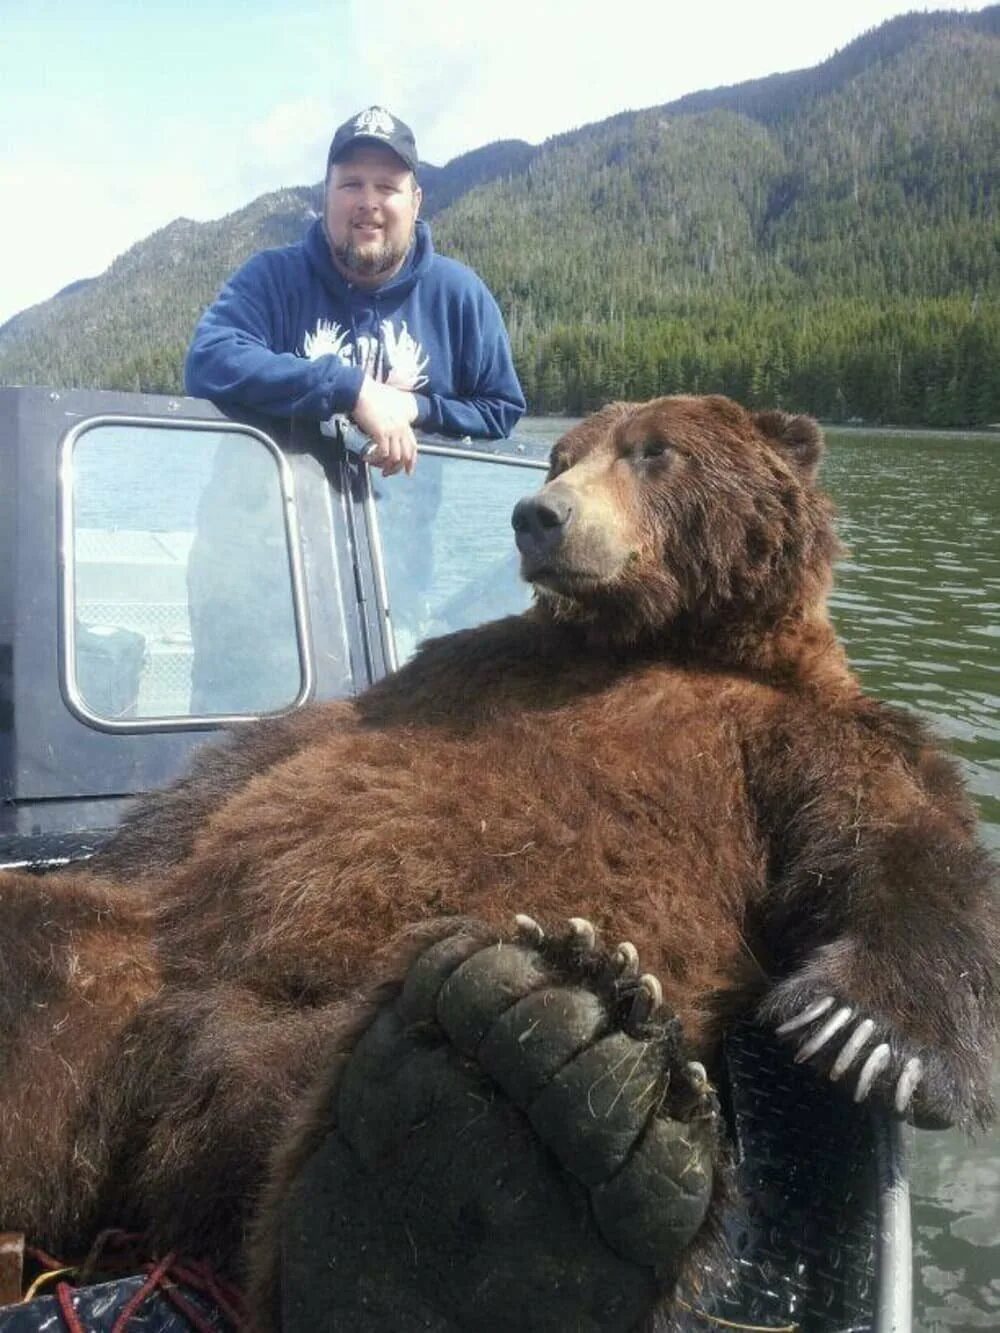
402	358
328	340
405	357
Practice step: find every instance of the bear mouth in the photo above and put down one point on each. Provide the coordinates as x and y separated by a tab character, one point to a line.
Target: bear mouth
566	580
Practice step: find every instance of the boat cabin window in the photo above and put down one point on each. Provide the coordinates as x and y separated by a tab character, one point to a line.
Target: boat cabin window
446	542
180	589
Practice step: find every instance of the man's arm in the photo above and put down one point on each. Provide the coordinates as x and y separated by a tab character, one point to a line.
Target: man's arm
233	362
386	414
488	418
494	402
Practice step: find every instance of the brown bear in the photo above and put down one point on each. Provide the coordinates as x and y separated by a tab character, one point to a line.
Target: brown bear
370	986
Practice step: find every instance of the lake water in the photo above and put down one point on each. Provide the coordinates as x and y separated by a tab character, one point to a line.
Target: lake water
917	601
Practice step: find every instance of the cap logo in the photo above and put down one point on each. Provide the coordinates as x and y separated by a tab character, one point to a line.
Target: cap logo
375	121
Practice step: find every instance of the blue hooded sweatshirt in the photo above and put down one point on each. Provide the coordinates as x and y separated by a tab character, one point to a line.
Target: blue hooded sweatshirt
290	336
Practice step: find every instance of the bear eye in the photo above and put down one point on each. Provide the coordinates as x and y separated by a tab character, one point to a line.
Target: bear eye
654	449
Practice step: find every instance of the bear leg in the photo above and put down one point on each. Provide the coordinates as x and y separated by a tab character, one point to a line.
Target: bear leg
515	1143
75	966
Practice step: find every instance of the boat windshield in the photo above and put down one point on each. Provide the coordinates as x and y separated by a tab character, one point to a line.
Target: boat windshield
446	542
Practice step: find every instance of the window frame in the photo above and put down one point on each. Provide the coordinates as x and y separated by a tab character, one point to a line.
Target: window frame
467	454
66	566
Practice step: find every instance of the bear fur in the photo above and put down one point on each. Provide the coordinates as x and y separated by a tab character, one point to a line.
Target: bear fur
670	743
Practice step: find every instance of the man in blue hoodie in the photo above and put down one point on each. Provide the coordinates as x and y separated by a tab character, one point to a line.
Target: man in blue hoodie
362	317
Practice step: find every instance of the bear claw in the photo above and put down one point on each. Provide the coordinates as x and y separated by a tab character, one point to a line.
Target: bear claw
852	1048
904	1078
829	1029
800	1020
912	1073
582	933
648	999
528	929
870	1070
698	1076
626	960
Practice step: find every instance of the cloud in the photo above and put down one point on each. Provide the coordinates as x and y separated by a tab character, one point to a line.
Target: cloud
64	220
462	78
64	227
96	168
291	131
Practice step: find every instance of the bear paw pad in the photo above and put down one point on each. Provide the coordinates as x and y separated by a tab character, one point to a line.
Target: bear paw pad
518	1144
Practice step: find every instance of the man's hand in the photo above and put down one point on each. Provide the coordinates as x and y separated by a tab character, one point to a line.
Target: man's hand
386	414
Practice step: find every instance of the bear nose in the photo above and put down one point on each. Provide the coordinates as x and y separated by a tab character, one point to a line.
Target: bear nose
540	522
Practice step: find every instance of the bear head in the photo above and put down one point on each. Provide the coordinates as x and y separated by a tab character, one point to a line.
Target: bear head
690	519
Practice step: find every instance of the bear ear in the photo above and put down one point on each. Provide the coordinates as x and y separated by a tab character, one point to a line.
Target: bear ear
798	439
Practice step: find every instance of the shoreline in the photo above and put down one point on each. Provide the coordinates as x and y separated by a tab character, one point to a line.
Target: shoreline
991	432
936	432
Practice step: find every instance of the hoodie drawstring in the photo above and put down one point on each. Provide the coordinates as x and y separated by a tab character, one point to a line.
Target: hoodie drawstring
379	341
356	356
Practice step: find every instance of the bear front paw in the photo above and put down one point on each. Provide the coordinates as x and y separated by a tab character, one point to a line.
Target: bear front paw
515	1143
863	1051
851	1035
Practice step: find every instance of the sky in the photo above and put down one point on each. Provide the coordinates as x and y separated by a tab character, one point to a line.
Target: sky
118	116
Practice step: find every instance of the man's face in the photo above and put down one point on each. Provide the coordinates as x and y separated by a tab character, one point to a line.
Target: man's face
372	202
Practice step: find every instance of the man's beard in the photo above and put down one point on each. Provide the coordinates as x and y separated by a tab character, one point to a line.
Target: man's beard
373	259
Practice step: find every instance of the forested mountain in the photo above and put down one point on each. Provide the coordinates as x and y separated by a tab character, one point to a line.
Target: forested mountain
826	240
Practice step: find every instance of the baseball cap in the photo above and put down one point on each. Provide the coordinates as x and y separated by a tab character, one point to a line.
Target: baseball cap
374	125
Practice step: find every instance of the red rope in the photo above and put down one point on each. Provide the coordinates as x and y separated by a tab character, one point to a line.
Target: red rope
162	1276
193	1316
228	1298
156	1273
64	1297
165	1276
43	1258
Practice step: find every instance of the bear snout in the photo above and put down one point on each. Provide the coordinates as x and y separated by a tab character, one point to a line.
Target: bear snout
540	523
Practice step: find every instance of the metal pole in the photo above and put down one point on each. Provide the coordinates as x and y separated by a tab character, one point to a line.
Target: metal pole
894	1243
